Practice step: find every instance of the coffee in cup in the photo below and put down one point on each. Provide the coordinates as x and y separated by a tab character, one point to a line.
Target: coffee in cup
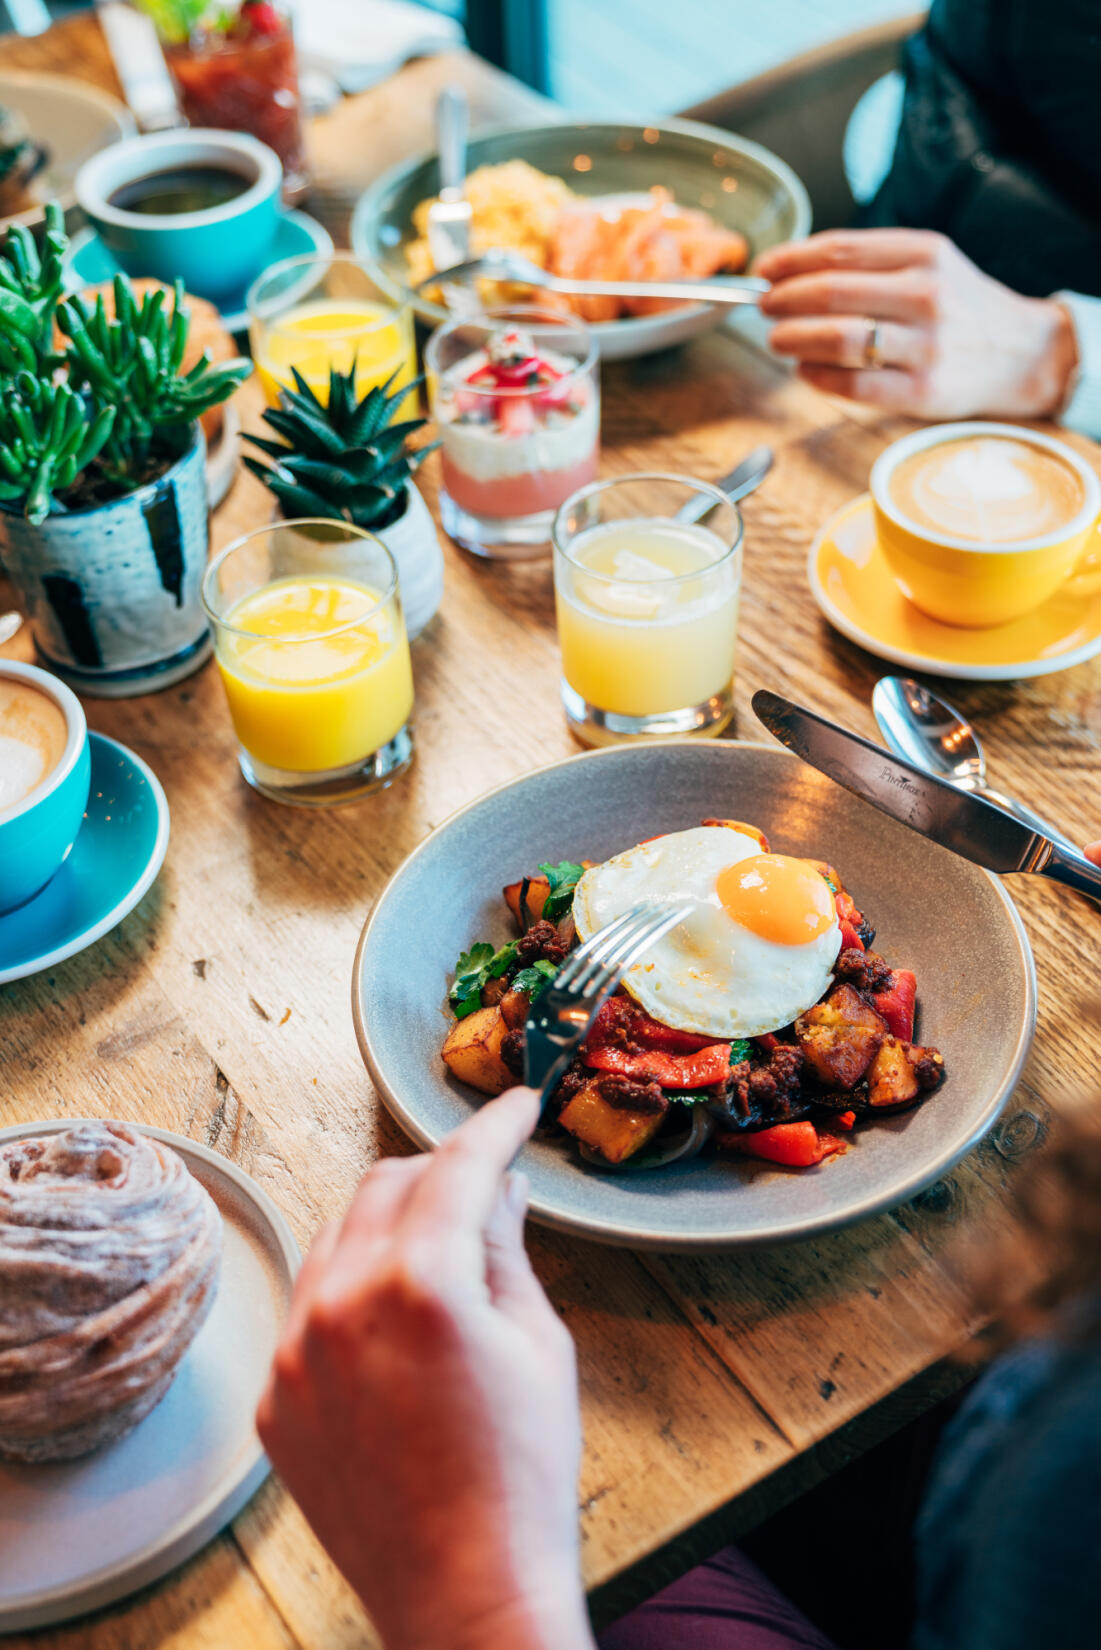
989	489
33	736
981	523
45	769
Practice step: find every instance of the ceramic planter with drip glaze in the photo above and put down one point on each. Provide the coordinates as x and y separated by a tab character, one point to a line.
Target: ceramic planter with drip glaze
112	592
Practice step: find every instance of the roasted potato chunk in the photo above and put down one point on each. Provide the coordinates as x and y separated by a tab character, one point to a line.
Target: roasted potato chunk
840	1038
611	1130
900	1073
526	899
848	1005
514	1008
472	1051
892	1080
746	830
839	1055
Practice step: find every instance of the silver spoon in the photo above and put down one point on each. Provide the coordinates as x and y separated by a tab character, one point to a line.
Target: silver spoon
500	265
927	731
743	479
9	624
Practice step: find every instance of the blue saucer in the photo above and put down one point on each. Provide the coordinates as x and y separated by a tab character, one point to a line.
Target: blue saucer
88	261
114	861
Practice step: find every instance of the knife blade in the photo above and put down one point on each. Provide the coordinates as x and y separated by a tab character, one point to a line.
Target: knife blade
964	824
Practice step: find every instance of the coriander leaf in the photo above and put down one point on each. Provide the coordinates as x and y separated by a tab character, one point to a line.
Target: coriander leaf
501	959
473	969
740	1049
533	979
563	880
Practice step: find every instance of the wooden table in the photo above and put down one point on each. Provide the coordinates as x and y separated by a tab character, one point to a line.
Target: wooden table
713	1388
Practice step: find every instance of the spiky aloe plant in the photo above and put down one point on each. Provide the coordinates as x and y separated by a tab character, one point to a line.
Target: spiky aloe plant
90	416
346	459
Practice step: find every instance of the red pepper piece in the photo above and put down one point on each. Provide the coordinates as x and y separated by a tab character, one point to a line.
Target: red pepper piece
850	939
898	1004
845	1119
685	1071
618	1015
795	1145
850	919
766	1041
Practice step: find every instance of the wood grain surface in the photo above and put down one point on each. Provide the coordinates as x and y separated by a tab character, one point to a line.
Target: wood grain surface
713	1388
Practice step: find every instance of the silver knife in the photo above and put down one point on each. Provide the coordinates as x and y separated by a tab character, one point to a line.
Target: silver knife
964	824
450	214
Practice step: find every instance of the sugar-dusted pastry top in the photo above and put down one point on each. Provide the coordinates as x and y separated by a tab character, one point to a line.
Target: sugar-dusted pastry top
109	1256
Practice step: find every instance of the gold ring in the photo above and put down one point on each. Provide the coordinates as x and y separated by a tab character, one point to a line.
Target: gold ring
872	356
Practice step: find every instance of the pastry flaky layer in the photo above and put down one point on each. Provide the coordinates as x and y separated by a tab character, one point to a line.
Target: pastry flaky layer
109	1258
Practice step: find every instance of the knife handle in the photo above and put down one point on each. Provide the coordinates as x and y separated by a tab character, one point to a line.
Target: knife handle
451	128
1068	866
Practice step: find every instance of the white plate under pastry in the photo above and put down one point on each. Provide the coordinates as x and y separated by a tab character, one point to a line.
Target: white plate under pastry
76	1535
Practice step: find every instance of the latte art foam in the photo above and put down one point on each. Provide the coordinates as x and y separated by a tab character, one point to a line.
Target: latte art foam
33	736
988	489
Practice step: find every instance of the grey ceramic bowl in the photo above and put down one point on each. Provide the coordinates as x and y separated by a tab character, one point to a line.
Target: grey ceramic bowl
952	923
742	185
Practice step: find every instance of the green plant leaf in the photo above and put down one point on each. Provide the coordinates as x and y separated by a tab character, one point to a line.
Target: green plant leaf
563	879
473	969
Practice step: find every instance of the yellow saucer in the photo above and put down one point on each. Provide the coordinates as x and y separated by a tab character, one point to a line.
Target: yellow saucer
853	586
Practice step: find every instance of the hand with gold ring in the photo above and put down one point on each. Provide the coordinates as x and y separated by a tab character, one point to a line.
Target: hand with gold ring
901	319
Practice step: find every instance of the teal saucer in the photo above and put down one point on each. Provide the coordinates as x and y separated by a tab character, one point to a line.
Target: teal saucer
114	861
88	261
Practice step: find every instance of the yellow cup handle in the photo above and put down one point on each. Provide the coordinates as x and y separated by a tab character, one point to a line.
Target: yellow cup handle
1086	578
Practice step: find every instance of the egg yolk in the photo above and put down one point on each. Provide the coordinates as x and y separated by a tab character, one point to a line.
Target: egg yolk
777	897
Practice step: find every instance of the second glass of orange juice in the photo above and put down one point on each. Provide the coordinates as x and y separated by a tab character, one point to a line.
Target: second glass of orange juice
311	646
324	311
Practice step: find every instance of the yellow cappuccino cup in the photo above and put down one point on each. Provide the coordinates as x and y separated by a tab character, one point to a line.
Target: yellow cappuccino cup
981	522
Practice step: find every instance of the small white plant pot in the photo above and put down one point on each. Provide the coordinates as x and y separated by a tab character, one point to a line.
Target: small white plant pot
413	542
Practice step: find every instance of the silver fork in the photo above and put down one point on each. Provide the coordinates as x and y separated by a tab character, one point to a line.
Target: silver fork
561	1015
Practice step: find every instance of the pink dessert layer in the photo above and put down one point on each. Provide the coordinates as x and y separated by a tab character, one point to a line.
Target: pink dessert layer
519	495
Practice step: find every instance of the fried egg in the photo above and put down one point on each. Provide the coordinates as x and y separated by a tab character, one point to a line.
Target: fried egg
757	949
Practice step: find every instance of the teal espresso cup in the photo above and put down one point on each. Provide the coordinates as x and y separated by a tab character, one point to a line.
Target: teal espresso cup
45	768
200	205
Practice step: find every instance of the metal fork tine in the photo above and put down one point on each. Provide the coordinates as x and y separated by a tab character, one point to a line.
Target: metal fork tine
579	960
560	1017
635	945
609	943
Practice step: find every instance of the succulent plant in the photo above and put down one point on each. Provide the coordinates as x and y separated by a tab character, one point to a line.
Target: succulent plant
30	289
345	459
89	399
131	361
52	443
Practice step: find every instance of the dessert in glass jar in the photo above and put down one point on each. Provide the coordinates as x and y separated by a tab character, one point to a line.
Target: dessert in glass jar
516	397
234	67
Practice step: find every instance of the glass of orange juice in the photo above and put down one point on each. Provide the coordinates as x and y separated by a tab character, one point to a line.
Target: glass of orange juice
647	579
310	642
322	311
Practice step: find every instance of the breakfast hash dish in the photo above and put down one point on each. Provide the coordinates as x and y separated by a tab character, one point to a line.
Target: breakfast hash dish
764	1023
517	207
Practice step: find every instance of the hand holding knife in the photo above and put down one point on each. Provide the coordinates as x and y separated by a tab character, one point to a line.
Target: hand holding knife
965	824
